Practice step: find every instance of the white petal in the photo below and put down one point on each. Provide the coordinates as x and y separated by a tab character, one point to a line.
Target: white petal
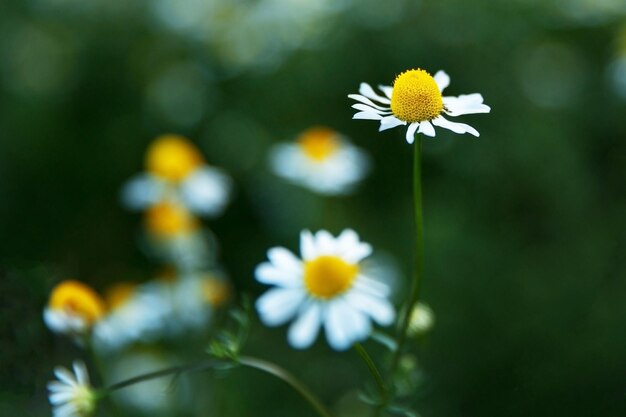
344	325
465	104
267	273
325	243
379	309
366	108
427	129
371	286
364	115
142	191
367	101
206	191
442	79
278	305
284	260
57	386
81	373
308	249
304	330
455	127
64	375
390	122
369	92
61	397
357	253
387	90
410	132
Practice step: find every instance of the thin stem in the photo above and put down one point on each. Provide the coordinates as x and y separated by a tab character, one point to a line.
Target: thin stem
419	255
373	370
291	380
175	370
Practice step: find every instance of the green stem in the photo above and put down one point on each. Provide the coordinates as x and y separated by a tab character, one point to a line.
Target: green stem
419	256
175	370
291	380
373	370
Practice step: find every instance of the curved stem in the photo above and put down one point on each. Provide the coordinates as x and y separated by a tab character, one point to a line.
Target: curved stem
373	370
291	380
174	370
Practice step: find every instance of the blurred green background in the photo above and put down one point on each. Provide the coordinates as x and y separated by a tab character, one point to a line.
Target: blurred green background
525	226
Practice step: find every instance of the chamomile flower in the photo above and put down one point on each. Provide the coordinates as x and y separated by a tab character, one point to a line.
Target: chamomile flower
322	160
416	99
73	309
326	287
176	172
71	394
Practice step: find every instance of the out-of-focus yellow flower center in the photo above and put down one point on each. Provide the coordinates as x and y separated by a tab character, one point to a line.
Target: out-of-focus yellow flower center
416	97
215	291
172	157
168	219
119	293
78	299
329	276
318	143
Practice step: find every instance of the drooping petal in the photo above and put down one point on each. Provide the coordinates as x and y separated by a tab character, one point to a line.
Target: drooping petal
442	79
364	115
367	101
278	305
410	132
390	122
367	91
454	126
366	108
426	128
337	334
304	330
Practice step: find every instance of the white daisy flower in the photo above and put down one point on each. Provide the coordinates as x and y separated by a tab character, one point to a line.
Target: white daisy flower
176	173
416	99
326	287
71	394
322	160
73	309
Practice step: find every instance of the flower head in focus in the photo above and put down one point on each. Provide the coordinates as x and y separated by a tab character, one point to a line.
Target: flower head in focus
71	394
416	99
73	308
326	287
322	160
176	172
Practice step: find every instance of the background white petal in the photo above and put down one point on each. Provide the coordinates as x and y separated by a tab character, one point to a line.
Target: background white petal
284	259
380	309
305	328
142	191
206	191
278	305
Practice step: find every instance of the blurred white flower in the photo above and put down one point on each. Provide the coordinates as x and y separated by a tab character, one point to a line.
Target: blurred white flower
176	174
71	394
73	309
326	287
416	98
421	320
321	160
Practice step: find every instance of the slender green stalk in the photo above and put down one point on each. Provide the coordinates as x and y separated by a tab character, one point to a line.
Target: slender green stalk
175	370
373	370
419	258
291	380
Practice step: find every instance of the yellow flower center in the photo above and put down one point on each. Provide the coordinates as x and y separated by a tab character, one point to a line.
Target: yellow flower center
167	220
119	293
329	276
78	299
172	157
215	291
84	400
416	97
318	143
